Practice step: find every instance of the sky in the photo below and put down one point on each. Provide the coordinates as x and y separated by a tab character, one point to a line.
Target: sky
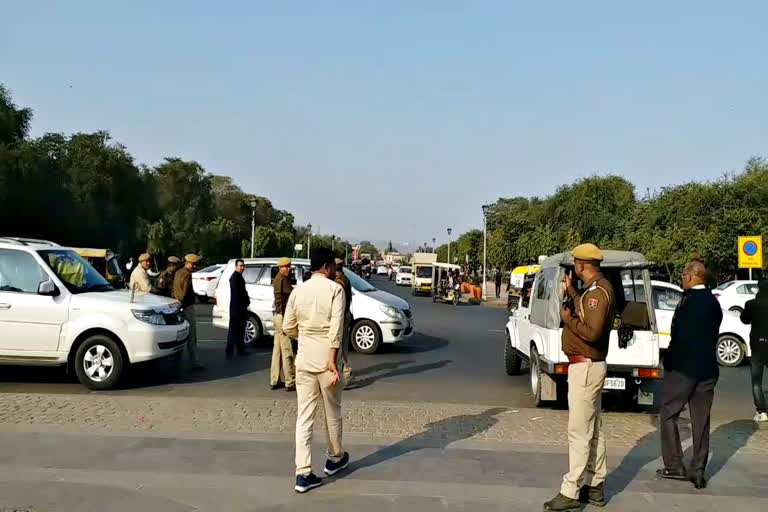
396	120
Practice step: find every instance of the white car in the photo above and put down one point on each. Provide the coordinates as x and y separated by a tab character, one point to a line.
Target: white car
378	317
734	294
404	277
57	310
204	281
381	270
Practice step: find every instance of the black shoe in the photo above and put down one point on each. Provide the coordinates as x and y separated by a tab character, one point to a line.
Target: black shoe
275	386
243	353
229	357
672	474
305	483
562	503
331	468
290	389
699	480
592	495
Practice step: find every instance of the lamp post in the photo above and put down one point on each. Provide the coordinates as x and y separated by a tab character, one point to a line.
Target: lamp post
486	209
449	244
253	223
309	238
333	243
434	244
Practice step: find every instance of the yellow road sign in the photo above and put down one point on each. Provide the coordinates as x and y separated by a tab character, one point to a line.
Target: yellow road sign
750	252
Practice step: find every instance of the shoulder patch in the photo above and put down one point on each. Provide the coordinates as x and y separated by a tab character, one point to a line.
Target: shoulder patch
592	303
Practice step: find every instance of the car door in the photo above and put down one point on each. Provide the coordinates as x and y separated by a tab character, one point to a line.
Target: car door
744	293
665	301
252	276
29	322
522	319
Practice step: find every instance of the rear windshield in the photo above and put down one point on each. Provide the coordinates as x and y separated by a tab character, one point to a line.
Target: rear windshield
725	285
212	268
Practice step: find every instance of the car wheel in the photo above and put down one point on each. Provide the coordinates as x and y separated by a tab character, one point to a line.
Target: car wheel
366	337
512	361
253	331
99	363
535	376
730	350
736	309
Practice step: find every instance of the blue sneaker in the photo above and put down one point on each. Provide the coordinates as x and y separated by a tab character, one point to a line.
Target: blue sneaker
331	468
306	483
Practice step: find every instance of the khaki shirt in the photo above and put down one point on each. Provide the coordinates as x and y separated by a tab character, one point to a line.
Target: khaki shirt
140	281
587	331
344	283
283	289
182	288
165	282
315	315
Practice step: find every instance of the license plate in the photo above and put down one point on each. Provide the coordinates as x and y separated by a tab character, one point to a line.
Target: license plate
182	334
615	383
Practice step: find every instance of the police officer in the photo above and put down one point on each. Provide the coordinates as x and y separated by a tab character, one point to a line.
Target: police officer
586	331
342	280
282	353
165	279
139	277
183	292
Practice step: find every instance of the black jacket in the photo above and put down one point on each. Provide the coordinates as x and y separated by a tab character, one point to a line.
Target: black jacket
695	331
756	313
238	298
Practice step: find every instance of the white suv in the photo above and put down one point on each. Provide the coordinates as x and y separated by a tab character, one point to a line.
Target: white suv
57	310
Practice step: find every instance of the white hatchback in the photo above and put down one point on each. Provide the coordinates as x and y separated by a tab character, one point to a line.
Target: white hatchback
404	276
378	317
204	281
734	294
57	310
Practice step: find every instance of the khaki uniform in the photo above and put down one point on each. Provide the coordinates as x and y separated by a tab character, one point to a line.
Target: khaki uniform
586	333
140	280
282	352
183	292
164	285
347	286
315	315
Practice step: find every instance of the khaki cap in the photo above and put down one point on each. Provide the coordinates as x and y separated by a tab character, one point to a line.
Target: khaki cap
339	261
192	258
143	257
284	262
587	252
173	259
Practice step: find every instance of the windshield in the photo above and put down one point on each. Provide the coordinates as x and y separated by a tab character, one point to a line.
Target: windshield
358	283
424	272
405	270
76	273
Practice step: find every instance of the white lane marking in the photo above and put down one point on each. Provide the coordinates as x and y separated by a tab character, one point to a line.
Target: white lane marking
203	322
496	330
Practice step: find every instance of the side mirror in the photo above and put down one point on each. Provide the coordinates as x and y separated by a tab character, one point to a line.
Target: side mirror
48	288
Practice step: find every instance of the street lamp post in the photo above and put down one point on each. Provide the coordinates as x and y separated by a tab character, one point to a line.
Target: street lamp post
309	239
449	244
253	223
333	243
434	244
486	209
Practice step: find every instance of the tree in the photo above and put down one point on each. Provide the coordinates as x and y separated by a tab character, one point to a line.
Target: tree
14	121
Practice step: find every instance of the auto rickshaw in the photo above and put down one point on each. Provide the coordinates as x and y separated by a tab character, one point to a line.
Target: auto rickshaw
105	262
517	278
445	283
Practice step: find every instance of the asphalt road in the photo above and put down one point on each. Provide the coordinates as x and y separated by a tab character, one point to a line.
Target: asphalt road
455	356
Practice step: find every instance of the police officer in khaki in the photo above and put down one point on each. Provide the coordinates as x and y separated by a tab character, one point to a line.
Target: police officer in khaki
139	277
586	331
282	353
183	292
165	279
342	280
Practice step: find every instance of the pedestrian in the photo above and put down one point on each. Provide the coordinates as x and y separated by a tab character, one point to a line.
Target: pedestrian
498	283
165	279
342	280
691	373
140	281
586	332
238	312
756	313
315	314
183	292
282	352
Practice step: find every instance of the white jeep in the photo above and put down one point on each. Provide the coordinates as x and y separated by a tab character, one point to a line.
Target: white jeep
57	310
534	331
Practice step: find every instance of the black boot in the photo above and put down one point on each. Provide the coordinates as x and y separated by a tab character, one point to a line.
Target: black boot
562	503
593	495
699	480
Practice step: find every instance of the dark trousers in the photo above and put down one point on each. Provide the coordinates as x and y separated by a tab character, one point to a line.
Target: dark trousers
757	364
236	333
498	290
679	390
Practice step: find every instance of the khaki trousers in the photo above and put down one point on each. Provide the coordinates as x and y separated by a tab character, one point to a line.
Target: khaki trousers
282	356
311	388
586	442
190	316
347	371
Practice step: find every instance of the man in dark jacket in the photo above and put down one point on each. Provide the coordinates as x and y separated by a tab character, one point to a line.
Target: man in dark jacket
756	313
691	376
238	312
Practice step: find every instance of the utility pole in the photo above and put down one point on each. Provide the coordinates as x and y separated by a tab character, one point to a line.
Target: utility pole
253	223
309	239
486	209
449	244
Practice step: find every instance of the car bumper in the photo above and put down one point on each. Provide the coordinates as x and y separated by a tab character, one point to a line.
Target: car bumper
395	331
146	342
200	288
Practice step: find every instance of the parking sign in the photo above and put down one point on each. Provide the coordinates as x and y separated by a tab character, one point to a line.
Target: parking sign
750	252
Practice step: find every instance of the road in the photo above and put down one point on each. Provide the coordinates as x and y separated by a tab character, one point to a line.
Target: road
454	357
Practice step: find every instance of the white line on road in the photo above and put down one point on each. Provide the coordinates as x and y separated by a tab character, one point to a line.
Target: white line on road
206	322
496	330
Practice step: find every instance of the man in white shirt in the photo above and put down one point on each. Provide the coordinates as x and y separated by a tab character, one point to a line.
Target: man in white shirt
139	278
315	316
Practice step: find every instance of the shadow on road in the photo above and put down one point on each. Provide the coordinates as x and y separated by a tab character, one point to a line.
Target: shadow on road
726	440
397	369
438	435
418	344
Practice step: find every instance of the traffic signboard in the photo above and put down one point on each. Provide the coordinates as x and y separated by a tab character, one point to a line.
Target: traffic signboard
750	252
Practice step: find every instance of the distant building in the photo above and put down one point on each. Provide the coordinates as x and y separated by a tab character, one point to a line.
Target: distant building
393	258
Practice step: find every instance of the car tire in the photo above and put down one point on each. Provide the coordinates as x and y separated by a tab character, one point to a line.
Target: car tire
99	363
731	350
535	378
366	338
512	360
253	331
736	309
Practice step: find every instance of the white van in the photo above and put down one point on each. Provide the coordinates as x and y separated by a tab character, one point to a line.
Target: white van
378	317
57	310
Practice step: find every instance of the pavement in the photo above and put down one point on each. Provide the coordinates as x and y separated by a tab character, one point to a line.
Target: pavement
434	424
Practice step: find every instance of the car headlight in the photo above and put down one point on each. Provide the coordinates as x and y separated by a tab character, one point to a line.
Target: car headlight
392	312
149	316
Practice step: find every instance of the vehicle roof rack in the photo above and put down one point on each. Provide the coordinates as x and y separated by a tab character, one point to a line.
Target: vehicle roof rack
26	241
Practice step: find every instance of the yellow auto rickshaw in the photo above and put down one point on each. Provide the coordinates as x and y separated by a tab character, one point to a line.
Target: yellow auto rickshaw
106	263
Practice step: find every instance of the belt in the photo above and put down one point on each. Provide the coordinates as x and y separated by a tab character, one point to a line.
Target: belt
579	359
